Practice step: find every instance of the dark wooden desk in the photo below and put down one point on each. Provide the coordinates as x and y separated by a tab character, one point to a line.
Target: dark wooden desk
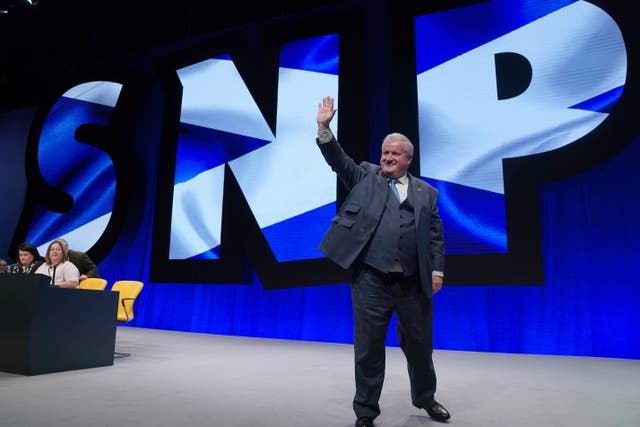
45	329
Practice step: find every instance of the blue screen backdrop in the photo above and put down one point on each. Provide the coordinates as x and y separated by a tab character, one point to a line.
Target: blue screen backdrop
588	306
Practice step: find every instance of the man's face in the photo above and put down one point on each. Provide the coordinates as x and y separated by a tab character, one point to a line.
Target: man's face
394	161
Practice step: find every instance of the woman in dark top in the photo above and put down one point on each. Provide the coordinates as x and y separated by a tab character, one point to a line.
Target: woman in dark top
29	259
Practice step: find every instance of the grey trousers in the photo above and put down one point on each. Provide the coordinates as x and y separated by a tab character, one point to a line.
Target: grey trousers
375	297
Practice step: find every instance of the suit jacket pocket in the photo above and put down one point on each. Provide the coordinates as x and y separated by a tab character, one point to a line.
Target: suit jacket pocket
351	208
346	222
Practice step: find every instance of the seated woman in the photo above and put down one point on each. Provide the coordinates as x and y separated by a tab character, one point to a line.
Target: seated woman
56	265
29	259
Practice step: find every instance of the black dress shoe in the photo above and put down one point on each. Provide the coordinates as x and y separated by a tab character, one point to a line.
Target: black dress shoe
364	422
438	412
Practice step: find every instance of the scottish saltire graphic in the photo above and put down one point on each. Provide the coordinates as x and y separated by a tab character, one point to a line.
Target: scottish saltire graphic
577	63
289	188
82	171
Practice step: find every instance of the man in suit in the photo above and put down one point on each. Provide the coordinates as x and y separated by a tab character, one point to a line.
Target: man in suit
86	266
389	233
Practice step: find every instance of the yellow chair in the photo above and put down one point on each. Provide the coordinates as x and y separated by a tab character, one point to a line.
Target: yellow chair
93	283
129	291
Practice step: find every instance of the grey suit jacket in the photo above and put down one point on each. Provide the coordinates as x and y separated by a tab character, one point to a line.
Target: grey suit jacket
360	213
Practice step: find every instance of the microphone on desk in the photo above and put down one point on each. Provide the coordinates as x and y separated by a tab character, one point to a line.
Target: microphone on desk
53	276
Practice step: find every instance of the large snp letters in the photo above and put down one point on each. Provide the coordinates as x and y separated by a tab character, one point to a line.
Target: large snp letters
577	67
79	170
577	63
287	185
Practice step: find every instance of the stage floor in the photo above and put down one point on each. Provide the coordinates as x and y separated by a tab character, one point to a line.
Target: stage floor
182	379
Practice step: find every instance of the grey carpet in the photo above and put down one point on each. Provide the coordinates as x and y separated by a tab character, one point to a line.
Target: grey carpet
183	379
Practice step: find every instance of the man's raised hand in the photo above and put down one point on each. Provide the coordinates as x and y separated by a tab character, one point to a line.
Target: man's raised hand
325	112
